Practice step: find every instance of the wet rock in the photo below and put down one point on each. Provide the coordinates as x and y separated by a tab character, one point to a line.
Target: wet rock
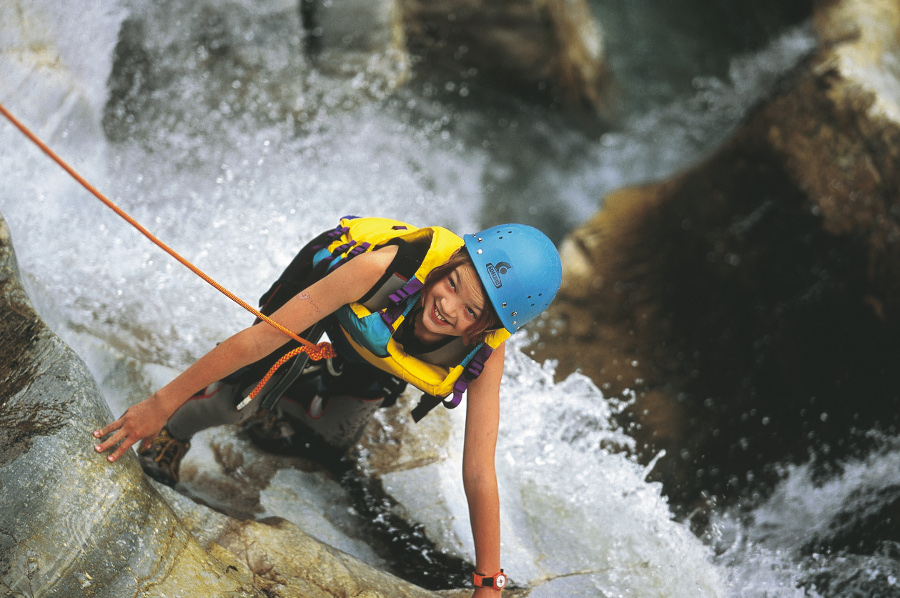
856	552
539	49
353	25
285	561
73	525
852	575
284	63
48	76
753	302
868	522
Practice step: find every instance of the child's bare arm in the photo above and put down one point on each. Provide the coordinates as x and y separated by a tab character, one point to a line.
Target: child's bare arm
143	421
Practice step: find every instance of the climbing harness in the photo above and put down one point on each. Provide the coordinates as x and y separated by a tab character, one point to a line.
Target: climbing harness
303	354
311	350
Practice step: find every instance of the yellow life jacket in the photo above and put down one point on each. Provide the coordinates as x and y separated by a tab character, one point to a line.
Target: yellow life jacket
369	325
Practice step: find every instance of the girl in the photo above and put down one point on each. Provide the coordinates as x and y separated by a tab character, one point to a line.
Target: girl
400	305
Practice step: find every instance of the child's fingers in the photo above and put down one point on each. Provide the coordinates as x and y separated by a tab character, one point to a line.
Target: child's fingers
126	444
126	431
104	431
111	441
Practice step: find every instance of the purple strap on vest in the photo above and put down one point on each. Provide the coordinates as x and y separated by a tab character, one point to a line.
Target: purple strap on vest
324	265
476	366
342	248
339	231
361	248
395	309
355	251
410	288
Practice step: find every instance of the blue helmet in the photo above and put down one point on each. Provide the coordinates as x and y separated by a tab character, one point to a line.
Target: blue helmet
519	268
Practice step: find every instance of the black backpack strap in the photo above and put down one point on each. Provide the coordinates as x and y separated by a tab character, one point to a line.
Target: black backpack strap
298	275
392	388
426	404
402	268
473	370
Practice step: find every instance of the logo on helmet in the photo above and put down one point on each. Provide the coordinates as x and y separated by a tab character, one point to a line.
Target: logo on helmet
496	271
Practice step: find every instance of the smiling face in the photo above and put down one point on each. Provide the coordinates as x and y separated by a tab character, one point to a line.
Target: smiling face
451	306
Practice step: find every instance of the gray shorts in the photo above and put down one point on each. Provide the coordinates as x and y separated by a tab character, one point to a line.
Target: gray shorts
326	409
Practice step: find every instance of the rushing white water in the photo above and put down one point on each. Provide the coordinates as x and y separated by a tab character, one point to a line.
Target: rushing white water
237	184
833	532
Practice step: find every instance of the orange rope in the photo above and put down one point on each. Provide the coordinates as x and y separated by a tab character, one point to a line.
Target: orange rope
316	353
150	236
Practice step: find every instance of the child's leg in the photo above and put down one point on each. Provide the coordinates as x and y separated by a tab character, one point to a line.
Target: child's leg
335	421
215	406
327	414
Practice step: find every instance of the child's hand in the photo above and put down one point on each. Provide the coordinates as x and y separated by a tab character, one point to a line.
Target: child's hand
141	422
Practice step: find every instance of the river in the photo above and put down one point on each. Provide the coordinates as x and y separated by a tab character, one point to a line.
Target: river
211	125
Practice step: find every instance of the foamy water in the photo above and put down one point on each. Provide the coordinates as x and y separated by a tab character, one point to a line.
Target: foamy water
238	189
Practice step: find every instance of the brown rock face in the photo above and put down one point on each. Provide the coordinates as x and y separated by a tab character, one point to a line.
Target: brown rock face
537	48
752	302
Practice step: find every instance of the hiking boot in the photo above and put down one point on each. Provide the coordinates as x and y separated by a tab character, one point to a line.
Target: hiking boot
273	432
161	460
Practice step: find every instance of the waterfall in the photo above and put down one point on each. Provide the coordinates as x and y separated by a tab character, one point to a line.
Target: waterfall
210	124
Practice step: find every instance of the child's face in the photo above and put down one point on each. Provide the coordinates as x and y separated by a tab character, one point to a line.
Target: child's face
454	304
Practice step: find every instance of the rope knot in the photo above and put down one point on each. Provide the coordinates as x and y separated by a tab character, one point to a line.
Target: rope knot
323	350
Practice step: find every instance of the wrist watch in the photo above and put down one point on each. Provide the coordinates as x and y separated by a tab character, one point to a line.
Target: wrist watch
496	581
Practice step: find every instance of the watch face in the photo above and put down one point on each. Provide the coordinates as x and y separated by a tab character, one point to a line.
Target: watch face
500	581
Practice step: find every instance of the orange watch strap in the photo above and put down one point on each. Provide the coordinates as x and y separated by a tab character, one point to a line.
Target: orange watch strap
496	581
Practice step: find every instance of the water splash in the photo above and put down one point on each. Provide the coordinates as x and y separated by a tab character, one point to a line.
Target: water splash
817	534
591	524
239	181
578	516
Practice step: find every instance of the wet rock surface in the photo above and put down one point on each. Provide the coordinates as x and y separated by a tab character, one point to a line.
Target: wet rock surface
869	521
756	295
74	525
856	553
227	62
549	49
70	524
